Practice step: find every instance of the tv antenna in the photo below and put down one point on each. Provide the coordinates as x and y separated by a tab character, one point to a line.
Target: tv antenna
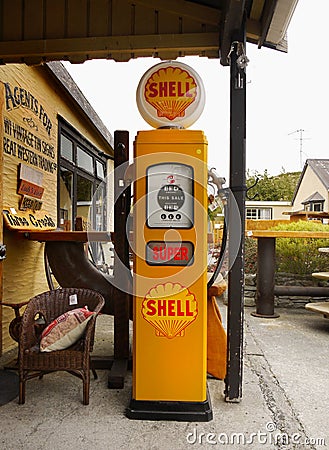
301	139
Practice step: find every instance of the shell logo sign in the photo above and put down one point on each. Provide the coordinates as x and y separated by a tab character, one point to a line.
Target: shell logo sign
169	308
170	91
170	94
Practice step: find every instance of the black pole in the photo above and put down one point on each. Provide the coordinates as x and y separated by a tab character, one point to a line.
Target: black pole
122	298
265	278
233	382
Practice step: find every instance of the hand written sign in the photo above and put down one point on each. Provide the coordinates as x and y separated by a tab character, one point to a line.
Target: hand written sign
28	221
30	203
27	188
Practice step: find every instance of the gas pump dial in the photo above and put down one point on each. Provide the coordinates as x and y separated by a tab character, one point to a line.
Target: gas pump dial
170	196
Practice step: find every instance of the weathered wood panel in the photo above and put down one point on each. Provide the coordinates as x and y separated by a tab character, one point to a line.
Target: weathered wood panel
77	18
33	29
100	12
78	30
12	20
55	20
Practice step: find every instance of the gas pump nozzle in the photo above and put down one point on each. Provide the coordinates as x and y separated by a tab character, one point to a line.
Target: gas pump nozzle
218	181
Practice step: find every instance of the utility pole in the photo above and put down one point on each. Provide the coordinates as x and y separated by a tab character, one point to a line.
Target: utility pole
301	138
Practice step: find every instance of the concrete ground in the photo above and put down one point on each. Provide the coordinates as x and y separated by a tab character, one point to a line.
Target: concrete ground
284	405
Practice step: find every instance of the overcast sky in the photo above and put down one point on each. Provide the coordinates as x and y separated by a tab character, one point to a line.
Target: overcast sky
285	93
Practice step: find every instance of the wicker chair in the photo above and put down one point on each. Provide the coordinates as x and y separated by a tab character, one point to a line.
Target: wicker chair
75	359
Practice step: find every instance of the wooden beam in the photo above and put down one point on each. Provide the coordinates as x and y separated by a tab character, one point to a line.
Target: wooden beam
72	236
253	30
202	14
266	20
289	234
108	46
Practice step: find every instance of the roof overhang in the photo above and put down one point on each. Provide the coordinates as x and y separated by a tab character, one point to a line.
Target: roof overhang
35	32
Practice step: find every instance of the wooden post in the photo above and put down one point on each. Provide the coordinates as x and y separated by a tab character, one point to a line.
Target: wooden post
233	382
122	298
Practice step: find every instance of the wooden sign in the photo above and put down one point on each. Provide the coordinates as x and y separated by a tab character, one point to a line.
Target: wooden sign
28	221
30	203
27	188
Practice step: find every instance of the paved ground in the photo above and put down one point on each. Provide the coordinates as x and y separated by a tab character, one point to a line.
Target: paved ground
284	406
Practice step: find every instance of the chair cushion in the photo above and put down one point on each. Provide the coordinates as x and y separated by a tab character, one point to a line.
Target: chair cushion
65	330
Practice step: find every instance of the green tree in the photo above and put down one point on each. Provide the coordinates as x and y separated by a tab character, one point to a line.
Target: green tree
272	188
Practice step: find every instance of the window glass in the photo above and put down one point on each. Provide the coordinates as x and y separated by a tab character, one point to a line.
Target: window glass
265	213
84	160
259	213
66	148
81	171
66	195
100	170
251	213
84	197
317	206
99	208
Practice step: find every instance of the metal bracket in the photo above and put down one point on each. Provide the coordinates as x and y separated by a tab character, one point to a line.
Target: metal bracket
241	62
242	59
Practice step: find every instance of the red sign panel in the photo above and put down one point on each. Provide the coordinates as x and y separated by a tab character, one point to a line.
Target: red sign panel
27	188
159	253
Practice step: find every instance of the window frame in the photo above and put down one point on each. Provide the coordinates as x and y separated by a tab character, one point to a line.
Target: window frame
310	206
78	140
255	212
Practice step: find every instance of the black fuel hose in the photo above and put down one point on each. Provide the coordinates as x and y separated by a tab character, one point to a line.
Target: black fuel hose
221	254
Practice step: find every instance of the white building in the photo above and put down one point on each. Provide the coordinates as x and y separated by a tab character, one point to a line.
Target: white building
267	210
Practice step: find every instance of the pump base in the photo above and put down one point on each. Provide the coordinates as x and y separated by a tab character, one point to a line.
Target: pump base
170	410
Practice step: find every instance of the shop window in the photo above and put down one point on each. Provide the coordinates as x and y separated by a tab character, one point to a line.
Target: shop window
100	170
84	160
66	199
66	148
84	198
98	209
82	188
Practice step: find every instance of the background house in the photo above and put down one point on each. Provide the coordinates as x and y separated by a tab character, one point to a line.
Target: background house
311	197
267	210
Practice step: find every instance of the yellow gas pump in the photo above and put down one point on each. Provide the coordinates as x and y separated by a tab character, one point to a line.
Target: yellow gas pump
170	257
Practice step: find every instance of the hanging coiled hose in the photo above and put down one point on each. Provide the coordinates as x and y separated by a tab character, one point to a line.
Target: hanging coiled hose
215	179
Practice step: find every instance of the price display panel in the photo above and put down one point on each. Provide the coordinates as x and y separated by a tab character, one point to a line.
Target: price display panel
170	202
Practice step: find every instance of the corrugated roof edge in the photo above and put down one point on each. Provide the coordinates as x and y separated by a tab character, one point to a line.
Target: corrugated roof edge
65	79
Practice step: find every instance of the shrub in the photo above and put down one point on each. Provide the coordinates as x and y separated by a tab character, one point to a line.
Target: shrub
301	255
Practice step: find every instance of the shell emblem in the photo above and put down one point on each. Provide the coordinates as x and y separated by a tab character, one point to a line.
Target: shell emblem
170	91
169	308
